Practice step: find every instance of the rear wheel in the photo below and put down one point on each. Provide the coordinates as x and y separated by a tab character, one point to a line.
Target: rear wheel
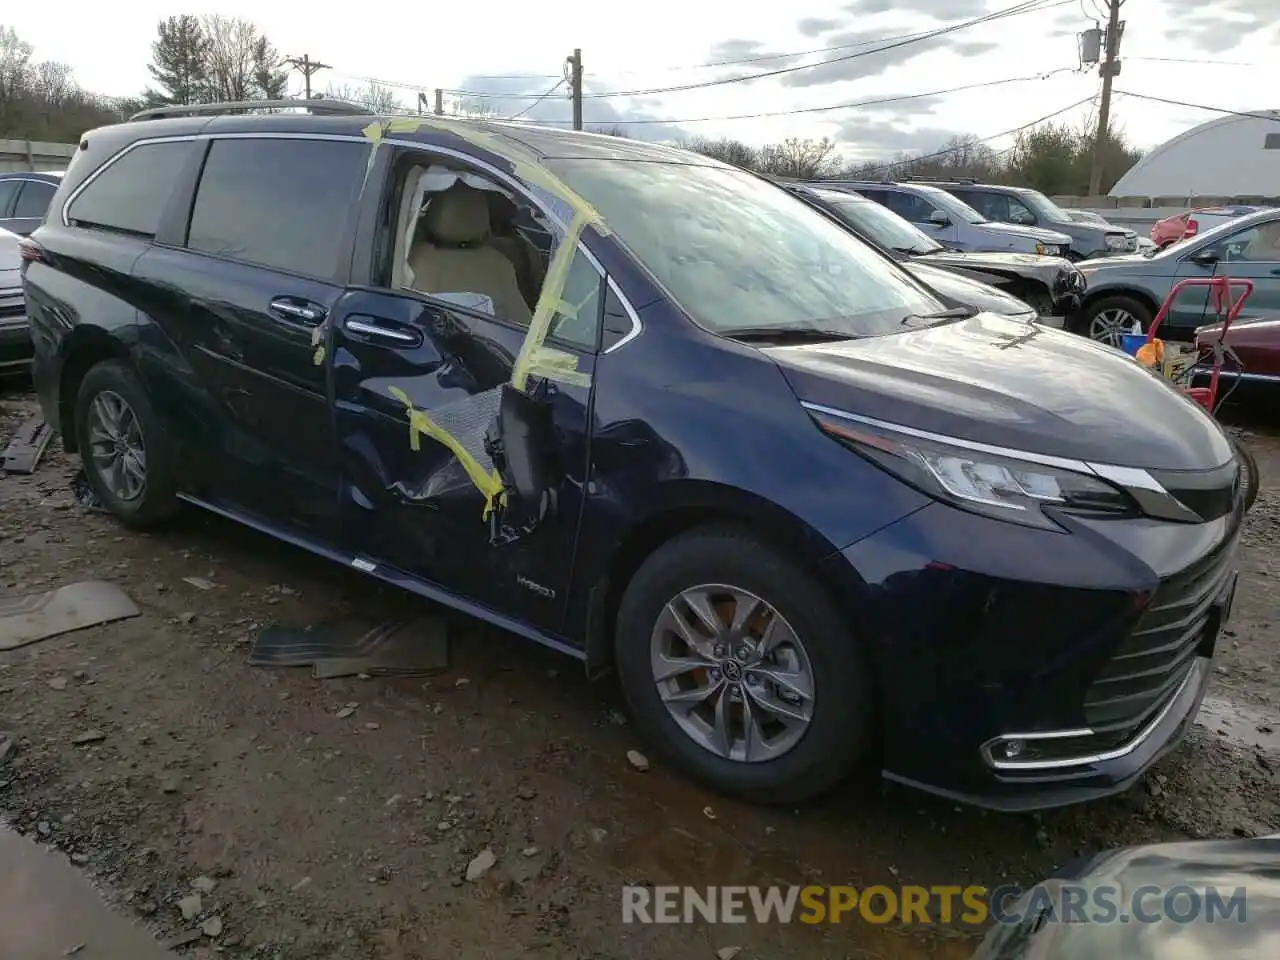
1108	319
123	447
739	668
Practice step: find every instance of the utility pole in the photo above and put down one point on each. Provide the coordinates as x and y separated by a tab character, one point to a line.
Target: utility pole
575	86
1109	68
439	111
306	66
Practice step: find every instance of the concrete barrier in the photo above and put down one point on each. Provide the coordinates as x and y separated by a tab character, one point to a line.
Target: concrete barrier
35	155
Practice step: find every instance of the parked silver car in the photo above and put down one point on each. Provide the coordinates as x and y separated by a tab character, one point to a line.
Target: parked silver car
15	331
954	223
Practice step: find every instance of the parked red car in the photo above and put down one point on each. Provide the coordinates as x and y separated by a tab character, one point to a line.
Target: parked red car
1172	229
1257	342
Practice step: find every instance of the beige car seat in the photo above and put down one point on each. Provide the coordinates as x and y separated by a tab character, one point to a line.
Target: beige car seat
456	255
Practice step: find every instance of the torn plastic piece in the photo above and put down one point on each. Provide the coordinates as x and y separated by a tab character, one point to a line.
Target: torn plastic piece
485	478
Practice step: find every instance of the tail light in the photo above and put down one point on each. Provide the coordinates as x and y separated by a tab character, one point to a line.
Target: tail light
1192	228
30	251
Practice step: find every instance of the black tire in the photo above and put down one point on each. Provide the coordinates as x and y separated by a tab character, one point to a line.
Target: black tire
1134	307
1250	478
158	501
840	731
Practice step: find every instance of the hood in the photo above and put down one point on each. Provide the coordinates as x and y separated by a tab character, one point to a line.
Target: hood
1002	264
1035	233
1007	383
1215	866
970	292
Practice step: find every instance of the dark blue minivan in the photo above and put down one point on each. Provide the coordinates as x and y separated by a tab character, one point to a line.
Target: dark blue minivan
656	413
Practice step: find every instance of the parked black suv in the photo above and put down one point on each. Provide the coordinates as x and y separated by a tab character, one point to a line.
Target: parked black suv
649	410
1031	208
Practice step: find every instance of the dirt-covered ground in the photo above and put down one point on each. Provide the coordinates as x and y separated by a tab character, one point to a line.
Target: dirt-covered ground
313	830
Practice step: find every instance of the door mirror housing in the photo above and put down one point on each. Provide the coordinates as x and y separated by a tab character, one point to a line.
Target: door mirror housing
1206	257
939	218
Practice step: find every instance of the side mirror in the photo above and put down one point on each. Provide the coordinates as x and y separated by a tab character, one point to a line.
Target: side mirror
1206	257
939	218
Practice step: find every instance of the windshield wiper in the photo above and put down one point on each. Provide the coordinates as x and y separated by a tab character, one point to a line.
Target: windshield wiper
955	313
781	334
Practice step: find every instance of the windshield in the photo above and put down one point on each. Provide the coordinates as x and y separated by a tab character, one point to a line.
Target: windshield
878	222
738	253
1044	208
958	209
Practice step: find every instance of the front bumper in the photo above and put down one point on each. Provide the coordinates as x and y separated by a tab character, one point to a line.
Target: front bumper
1090	649
15	342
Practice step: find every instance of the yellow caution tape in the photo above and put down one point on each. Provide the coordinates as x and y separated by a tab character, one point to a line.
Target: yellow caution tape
488	483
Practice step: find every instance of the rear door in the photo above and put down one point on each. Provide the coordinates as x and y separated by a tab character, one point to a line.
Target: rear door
238	299
441	401
9	189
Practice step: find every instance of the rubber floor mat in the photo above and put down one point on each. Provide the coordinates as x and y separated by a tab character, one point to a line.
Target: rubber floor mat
399	648
27	446
39	616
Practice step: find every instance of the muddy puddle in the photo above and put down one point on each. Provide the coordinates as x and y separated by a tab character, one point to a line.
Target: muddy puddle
49	910
1240	724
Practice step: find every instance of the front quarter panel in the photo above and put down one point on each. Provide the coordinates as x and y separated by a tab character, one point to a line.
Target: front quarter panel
686	421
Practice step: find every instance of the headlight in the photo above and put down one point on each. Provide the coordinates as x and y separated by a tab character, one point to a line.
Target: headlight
999	486
1116	241
1049	249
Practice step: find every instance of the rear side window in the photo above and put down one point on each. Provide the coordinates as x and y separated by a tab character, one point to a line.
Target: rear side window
130	193
8	190
283	204
34	199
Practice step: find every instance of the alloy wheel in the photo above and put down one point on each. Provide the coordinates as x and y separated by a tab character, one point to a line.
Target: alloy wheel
732	673
1108	326
117	449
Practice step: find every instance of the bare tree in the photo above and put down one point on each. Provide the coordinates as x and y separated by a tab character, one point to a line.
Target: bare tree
375	96
232	44
612	130
804	159
727	150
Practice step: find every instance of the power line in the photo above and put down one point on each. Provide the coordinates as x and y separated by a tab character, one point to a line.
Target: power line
852	105
559	83
1215	63
1025	6
1201	106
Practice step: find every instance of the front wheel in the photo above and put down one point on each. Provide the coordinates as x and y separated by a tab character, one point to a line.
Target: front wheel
1250	479
739	668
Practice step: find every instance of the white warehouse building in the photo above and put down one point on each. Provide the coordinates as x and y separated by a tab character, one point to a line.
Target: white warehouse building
1231	156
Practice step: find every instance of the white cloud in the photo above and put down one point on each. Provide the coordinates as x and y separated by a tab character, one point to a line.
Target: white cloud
464	46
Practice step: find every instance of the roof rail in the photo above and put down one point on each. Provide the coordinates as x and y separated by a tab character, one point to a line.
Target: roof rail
315	105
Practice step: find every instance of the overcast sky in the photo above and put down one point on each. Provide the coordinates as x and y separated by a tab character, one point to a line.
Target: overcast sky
518	48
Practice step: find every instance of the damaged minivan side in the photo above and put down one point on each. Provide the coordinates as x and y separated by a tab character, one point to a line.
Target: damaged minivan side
657	414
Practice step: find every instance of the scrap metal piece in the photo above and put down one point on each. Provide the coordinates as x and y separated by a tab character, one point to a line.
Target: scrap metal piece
40	616
27	445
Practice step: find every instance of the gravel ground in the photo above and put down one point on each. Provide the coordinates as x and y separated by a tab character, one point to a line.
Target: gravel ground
311	829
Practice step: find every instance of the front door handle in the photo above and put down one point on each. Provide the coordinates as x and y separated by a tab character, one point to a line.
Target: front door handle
365	329
294	310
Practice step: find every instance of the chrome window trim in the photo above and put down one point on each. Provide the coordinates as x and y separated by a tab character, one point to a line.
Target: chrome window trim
1141	737
503	177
